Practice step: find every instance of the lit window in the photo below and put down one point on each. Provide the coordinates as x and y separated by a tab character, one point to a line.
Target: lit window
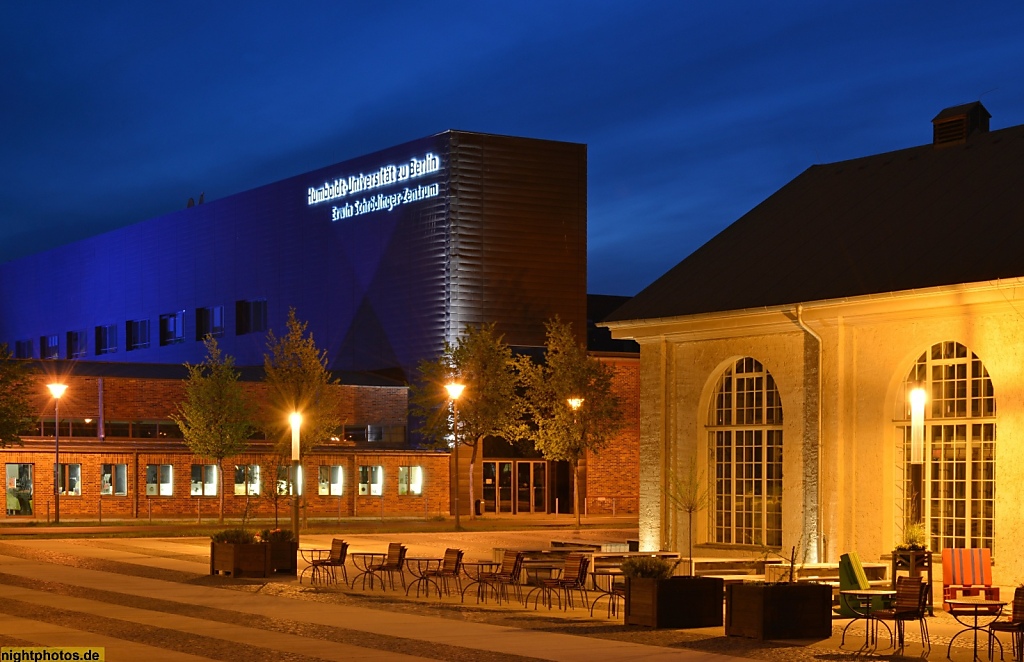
137	334
204	480
284	480
71	480
371	480
247	479
410	481
330	479
172	328
159	480
114	479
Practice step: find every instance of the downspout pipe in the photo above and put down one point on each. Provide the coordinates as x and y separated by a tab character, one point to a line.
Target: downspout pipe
817	524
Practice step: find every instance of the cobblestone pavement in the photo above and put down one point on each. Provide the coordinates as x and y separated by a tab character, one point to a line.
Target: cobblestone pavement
153	599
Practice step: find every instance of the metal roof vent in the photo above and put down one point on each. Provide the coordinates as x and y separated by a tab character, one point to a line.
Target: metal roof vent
954	125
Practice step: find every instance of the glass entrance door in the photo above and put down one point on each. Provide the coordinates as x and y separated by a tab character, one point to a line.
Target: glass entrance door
19	490
531	484
497	492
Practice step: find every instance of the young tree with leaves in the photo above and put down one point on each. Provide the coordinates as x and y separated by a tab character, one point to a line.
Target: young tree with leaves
297	380
15	385
489	405
216	417
570	400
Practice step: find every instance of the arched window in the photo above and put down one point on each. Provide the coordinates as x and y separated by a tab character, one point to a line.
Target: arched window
953	491
745	445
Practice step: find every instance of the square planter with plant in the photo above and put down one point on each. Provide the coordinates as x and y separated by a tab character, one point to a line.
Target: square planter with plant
654	598
235	552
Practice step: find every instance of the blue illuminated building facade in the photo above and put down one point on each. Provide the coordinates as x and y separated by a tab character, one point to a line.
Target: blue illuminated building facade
385	256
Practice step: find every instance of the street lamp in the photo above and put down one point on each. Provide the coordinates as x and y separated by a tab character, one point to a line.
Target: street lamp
296	420
56	390
454	391
575	404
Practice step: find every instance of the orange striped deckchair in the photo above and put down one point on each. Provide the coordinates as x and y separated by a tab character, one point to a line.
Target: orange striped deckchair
967	573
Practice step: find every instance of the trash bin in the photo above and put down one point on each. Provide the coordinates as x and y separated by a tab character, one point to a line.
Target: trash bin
479	505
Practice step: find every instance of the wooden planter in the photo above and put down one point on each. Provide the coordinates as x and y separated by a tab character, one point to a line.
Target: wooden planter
778	611
677	602
284	556
240	560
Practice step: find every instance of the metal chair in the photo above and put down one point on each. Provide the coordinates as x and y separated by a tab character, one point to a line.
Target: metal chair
507	575
1015	626
451	568
392	564
910	604
329	565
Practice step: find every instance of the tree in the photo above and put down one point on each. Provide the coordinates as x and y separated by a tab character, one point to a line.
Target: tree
15	385
559	430
690	494
216	416
297	380
489	406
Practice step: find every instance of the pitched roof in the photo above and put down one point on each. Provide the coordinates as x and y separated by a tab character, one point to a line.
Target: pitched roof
919	217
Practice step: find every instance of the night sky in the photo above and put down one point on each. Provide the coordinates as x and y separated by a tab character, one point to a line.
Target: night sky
693	112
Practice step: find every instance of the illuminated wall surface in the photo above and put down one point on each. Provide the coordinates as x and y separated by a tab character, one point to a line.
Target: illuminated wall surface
385	256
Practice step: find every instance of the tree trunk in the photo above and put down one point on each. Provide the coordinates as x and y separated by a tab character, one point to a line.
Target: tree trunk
220	477
576	489
472	466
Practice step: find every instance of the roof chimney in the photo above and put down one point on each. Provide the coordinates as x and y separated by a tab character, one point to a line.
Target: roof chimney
954	125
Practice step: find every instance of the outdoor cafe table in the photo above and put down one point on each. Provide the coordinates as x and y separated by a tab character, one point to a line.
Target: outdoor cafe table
316	572
974	608
363	561
474	570
536	571
605	581
863	598
420	568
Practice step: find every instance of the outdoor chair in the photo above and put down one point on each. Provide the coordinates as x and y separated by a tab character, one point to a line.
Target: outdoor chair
853	577
910	604
507	575
1015	626
331	564
967	573
394	563
451	568
568	576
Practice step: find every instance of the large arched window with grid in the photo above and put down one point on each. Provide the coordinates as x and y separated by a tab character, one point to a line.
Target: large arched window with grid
745	446
953	491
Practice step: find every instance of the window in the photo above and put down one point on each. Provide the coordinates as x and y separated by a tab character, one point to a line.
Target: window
410	481
284	479
114	479
371	480
329	483
159	480
137	334
172	328
250	316
82	427
115	429
48	348
204	480
19	490
106	339
370	433
745	446
953	491
70	480
247	479
209	322
23	349
77	347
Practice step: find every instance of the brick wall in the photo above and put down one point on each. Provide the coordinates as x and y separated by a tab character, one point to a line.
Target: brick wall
613	474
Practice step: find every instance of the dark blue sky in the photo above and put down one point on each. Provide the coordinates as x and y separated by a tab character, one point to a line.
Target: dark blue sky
693	111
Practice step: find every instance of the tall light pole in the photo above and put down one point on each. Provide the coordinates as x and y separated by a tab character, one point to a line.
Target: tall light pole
918	398
454	391
56	390
575	404
296	420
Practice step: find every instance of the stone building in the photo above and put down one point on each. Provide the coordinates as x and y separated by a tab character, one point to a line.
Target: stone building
777	359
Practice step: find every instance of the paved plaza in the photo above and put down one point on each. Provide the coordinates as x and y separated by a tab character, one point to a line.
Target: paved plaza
153	599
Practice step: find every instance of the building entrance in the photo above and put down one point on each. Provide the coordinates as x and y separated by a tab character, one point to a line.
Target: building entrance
515	486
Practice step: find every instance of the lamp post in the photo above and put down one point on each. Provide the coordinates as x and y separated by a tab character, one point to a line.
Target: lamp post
56	390
296	420
918	397
575	404
454	391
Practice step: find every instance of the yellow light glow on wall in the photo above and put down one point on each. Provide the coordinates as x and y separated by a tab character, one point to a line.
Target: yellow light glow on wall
917	401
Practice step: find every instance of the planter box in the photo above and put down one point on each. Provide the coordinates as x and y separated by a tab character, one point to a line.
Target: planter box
284	556
778	611
240	560
677	602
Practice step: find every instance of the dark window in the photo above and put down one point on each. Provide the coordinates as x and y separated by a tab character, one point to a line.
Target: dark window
172	328
23	349
117	429
48	347
76	344
106	339
137	334
144	430
209	322
250	316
